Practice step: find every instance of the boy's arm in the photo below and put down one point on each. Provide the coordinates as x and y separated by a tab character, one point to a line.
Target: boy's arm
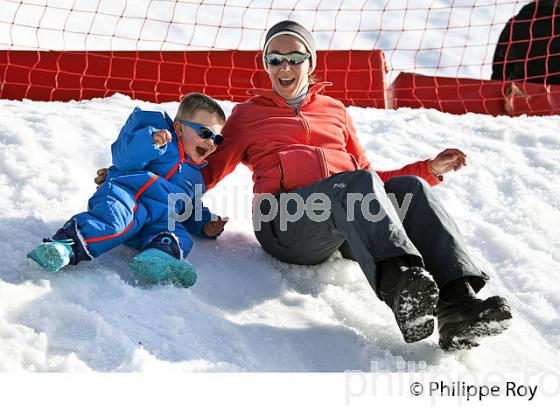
135	147
196	226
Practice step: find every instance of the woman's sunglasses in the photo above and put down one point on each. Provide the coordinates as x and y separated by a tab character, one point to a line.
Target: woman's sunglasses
204	132
294	58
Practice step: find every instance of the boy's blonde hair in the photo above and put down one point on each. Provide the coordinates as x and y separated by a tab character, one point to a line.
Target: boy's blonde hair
194	102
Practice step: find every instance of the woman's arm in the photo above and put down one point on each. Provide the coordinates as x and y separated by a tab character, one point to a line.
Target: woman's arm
229	154
432	170
421	169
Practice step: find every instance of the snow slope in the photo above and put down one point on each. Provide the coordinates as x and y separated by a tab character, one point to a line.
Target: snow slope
249	312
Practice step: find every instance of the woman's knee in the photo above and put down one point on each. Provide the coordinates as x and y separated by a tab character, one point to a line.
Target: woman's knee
361	175
361	180
407	184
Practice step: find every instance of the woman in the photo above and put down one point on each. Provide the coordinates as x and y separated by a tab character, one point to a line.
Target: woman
300	144
296	140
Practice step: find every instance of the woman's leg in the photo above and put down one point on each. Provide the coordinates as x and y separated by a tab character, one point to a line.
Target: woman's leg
301	242
434	233
462	317
363	218
358	212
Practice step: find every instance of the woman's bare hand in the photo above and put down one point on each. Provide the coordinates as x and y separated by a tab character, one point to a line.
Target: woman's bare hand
450	159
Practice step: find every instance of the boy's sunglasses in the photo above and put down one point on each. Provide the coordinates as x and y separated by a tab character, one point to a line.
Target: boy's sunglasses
294	58
204	132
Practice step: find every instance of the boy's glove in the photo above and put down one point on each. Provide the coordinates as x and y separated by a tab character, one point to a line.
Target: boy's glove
214	228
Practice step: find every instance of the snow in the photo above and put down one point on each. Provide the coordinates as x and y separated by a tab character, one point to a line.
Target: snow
248	311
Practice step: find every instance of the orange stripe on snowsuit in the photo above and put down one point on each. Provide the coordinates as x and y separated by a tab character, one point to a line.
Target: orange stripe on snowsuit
170	173
136	196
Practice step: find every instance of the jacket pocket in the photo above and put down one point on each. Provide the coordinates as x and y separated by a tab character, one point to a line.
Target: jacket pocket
302	165
339	161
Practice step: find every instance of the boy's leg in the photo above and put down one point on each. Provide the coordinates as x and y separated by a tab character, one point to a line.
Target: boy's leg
162	252
147	236
112	218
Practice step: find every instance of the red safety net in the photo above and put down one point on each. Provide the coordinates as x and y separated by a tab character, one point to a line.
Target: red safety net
488	56
357	76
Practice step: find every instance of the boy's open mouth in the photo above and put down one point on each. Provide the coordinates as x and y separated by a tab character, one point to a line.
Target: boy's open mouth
201	151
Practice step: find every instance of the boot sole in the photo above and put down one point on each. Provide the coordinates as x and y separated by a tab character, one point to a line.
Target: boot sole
157	267
493	318
416	305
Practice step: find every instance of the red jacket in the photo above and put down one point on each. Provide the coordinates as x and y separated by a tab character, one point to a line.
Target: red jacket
286	149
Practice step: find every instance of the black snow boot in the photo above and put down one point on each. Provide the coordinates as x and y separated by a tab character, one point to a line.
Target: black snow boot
463	318
166	242
412	295
70	231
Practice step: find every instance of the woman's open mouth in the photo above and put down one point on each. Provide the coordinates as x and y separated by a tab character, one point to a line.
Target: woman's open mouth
286	82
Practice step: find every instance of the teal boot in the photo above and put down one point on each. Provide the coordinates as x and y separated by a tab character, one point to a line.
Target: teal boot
156	266
53	256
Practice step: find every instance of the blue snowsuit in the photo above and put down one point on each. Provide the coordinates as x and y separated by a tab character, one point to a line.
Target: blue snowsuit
131	206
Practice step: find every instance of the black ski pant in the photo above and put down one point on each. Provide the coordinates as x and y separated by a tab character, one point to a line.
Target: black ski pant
369	230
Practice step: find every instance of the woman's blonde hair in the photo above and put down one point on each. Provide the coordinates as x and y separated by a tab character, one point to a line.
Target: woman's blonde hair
313	78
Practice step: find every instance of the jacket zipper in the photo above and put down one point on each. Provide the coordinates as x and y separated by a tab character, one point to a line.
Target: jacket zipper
300	115
306	126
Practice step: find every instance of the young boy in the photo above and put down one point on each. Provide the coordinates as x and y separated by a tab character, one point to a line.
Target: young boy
152	158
